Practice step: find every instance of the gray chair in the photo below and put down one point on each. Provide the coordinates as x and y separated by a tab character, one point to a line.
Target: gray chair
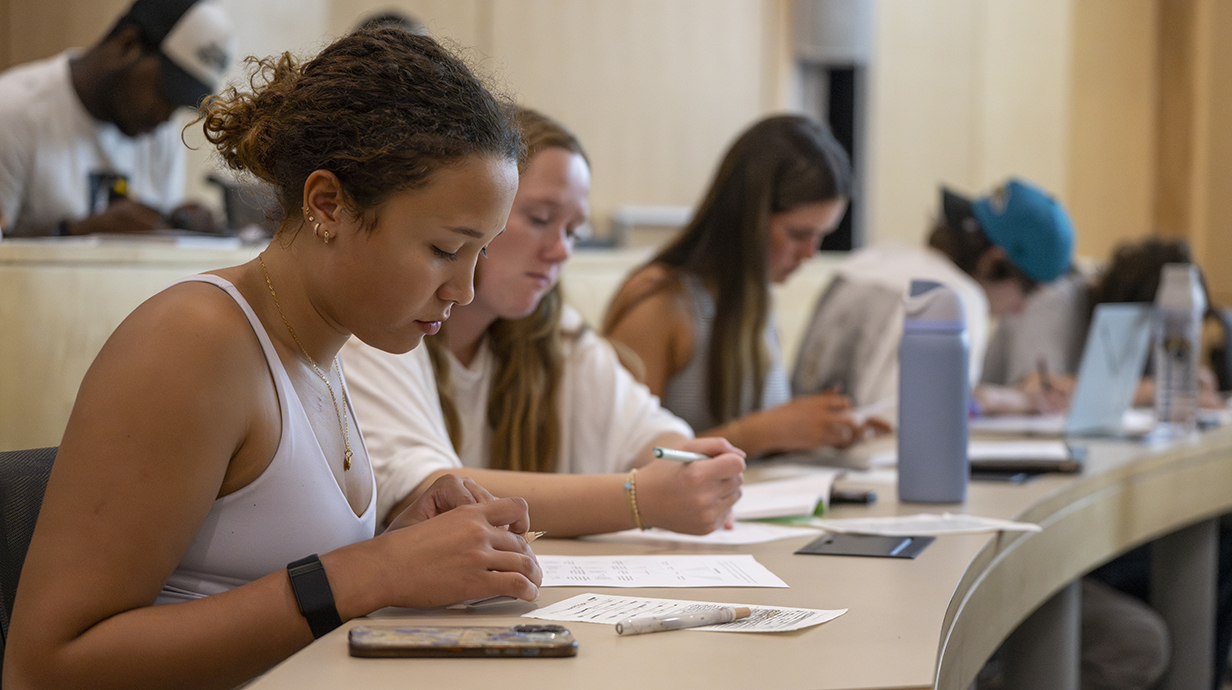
23	480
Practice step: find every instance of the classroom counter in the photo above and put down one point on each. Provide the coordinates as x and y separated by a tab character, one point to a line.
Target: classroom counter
60	299
923	623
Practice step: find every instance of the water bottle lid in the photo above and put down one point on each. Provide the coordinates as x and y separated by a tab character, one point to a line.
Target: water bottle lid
933	306
1180	288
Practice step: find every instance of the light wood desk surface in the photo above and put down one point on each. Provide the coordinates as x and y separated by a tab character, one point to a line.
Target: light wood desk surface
928	622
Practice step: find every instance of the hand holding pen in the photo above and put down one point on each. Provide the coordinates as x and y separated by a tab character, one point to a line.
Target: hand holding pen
1051	395
691	485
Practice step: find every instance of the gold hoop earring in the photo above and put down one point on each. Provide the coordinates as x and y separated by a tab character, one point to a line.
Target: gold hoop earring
316	230
326	236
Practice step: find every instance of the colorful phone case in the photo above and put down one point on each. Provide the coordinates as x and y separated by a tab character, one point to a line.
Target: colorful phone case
461	641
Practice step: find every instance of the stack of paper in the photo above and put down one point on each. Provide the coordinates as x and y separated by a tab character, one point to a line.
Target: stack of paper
790	497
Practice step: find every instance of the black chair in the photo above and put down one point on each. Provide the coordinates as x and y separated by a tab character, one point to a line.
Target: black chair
23	480
1221	355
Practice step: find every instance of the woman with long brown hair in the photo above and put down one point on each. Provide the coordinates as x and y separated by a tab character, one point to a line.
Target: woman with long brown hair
518	394
699	315
212	455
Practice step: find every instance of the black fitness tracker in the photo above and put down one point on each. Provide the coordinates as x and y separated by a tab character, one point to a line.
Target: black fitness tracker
312	593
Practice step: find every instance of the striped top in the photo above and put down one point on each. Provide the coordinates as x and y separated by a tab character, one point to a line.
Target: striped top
686	394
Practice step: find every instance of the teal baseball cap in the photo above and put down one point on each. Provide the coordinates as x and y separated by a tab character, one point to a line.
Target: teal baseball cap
1031	227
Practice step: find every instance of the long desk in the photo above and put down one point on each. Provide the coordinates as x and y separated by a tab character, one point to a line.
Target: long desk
923	623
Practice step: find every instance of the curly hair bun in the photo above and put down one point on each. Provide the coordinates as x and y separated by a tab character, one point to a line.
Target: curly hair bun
381	108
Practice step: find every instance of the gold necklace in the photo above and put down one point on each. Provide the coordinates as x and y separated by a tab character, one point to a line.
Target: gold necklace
342	418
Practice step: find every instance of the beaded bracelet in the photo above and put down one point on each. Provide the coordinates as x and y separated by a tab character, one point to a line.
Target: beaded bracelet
631	492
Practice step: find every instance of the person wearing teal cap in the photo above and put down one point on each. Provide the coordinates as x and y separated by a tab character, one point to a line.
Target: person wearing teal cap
992	251
1031	227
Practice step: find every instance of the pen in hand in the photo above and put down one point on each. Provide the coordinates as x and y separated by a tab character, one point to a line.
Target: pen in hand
676	621
678	455
1041	367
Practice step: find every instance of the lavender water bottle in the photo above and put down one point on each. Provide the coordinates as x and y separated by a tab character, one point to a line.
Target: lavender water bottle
932	397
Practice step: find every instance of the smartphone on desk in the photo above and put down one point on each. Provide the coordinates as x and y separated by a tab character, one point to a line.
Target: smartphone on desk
530	640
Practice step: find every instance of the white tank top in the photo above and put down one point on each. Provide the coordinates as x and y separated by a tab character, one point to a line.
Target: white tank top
293	509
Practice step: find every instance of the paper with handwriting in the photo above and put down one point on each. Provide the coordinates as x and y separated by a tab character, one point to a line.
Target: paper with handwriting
683	570
610	609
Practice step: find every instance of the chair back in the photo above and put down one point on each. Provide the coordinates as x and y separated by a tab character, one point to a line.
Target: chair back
1221	354
23	480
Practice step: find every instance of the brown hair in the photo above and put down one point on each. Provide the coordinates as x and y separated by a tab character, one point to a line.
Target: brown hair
380	108
966	245
1134	272
778	164
523	402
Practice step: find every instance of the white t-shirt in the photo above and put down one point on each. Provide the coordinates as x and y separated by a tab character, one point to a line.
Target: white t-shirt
606	416
853	337
50	146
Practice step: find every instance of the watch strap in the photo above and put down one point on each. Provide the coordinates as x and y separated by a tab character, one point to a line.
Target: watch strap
313	594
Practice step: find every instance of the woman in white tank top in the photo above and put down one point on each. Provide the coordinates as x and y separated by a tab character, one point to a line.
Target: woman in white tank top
212	441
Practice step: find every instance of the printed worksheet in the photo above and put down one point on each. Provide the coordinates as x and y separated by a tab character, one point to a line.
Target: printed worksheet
742	533
924	524
606	608
691	570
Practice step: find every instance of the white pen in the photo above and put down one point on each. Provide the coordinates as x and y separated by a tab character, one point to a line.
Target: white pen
678	455
675	621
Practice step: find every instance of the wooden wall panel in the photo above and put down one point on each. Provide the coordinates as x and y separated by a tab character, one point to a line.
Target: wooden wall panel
43	28
1177	62
922	112
6	36
656	91
1215	248
455	20
1023	92
1112	121
964	93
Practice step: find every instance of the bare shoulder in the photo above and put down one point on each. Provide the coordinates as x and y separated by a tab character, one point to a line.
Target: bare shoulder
649	319
193	325
187	356
651	292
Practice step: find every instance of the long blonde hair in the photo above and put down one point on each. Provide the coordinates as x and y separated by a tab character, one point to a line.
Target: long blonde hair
523	405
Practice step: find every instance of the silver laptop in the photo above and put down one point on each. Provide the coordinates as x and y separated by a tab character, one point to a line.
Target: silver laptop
1112	362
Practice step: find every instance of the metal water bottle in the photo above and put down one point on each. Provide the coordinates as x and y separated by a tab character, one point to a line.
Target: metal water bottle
1179	306
933	397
